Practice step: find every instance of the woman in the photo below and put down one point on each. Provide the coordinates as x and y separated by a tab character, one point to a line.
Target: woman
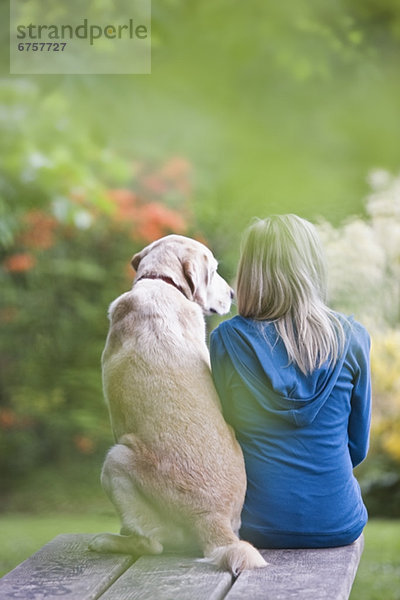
294	382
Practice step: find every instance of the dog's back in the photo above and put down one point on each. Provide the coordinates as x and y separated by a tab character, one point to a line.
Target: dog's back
158	386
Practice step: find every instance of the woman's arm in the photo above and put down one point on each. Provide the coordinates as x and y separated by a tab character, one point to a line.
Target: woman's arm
360	415
219	358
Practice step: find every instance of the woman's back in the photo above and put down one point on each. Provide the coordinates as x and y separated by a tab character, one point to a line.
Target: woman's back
301	434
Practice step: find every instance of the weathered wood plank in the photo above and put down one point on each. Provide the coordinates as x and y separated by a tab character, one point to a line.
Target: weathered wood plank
169	577
326	573
64	568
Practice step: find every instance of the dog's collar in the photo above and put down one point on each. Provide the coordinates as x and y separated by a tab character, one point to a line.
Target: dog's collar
163	278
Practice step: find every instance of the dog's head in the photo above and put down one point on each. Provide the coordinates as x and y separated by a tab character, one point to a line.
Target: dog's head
191	266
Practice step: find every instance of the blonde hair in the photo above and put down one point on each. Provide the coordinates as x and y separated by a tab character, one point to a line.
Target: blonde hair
282	277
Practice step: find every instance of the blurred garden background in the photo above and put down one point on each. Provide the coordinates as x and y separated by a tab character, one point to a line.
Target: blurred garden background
252	108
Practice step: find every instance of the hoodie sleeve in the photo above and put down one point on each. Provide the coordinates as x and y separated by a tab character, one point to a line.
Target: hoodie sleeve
360	414
219	360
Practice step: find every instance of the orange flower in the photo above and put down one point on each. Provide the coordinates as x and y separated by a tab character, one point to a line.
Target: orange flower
8	418
126	204
84	444
19	263
40	230
157	220
176	167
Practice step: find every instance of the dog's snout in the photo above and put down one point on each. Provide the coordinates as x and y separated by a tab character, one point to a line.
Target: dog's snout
232	294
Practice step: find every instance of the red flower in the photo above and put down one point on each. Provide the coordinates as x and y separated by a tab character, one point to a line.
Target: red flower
19	263
156	220
8	418
39	231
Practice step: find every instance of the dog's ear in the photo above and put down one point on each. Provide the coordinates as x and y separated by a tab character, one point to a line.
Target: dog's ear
190	275
136	258
196	276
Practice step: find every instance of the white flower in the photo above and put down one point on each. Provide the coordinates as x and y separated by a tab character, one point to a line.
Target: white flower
83	219
378	179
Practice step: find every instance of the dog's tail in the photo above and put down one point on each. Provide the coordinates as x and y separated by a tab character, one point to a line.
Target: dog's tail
236	557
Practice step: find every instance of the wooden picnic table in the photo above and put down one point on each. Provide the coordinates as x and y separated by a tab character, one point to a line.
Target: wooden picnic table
65	569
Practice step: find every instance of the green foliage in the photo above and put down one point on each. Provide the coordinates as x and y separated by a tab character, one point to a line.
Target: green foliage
73	215
281	107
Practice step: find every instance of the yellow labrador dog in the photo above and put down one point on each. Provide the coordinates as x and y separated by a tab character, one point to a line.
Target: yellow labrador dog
176	474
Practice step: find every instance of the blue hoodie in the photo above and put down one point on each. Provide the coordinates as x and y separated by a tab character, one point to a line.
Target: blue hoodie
301	435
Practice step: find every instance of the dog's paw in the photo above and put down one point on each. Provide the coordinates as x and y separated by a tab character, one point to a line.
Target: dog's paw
102	543
130	544
152	546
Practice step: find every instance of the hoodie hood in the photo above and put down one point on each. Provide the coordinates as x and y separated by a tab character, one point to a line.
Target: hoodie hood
259	357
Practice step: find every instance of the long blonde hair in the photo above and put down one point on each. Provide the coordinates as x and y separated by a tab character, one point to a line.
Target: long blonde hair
282	277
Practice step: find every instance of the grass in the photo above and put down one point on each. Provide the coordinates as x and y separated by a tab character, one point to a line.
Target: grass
22	535
378	574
